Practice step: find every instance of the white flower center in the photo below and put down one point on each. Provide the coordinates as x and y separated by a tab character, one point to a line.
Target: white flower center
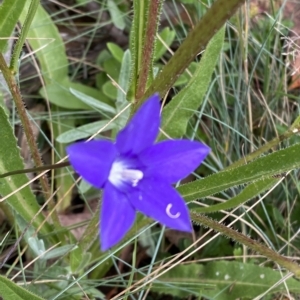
119	174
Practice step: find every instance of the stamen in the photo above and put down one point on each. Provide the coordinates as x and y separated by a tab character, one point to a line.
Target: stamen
168	211
132	175
119	173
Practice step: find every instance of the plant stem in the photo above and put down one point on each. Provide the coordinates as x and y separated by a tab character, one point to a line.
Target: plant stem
148	49
244	240
16	95
14	89
21	40
195	42
42	168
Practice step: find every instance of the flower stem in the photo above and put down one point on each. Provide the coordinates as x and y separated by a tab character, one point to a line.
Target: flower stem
21	40
257	247
9	77
145	73
14	89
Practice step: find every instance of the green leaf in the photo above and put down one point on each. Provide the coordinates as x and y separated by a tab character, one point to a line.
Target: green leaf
223	280
112	67
10	291
59	252
59	94
167	36
10	11
248	193
116	15
234	280
110	90
260	169
63	176
84	131
195	42
116	51
45	39
124	79
177	113
92	102
23	202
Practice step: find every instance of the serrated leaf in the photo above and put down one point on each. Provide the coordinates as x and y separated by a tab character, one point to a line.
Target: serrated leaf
264	167
11	291
177	113
10	11
23	202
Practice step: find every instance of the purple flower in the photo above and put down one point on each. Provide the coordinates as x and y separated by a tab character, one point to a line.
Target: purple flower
136	174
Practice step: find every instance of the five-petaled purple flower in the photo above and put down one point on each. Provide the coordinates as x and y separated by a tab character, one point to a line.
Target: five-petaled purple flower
137	174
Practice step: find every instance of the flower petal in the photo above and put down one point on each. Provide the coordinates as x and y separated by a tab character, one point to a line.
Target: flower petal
92	160
142	129
117	216
161	202
173	160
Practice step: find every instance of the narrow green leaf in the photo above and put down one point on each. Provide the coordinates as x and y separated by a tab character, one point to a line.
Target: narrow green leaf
248	193
177	113
84	131
124	79
116	15
235	280
223	280
92	102
23	202
293	130
264	167
59	94
59	252
10	291
195	42
10	11
45	39
63	176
